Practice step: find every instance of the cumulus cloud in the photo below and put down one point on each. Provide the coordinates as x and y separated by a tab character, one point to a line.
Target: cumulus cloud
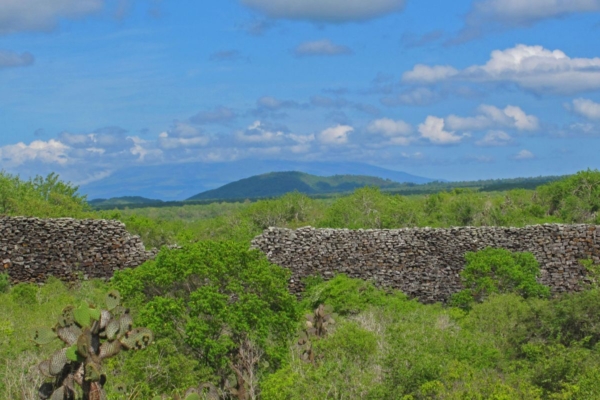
390	128
33	15
144	150
323	47
336	11
258	133
11	59
492	117
336	135
425	74
532	68
433	130
495	15
523	155
494	139
50	152
182	135
586	108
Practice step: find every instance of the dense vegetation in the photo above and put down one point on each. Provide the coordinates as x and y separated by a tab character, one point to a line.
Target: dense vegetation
223	320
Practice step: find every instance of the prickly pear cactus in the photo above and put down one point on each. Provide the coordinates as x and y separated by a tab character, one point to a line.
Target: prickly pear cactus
318	325
91	335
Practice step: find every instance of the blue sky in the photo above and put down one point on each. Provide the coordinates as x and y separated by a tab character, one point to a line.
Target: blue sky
469	89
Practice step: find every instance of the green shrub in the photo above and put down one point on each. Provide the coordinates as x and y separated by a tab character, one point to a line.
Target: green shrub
24	293
499	271
349	296
216	301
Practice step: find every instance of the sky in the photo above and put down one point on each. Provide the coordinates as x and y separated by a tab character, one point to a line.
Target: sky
456	90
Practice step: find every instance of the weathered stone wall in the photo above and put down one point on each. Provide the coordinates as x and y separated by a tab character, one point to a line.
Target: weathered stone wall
31	249
425	263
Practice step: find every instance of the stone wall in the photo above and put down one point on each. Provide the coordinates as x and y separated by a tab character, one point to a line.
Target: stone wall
31	249
425	263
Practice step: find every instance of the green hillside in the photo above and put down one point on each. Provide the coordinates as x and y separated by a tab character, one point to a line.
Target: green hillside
278	183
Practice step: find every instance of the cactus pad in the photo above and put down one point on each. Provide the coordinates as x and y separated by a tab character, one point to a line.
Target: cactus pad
69	334
58	362
112	329
66	317
125	324
109	349
82	315
93	372
105	318
113	299
44	368
43	336
192	396
84	342
59	394
137	339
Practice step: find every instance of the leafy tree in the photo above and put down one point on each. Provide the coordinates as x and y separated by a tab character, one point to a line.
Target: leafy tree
41	197
575	199
218	302
499	271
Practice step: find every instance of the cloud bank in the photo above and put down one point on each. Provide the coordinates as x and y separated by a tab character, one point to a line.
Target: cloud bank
532	68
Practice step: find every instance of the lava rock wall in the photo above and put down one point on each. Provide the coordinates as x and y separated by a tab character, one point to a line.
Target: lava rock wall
425	263
31	249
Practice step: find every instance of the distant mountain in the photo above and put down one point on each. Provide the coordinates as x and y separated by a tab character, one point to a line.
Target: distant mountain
120	201
181	181
278	183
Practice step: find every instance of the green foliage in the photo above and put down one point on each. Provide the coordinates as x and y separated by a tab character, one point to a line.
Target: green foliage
24	293
368	207
499	271
47	197
214	299
4	283
348	296
575	199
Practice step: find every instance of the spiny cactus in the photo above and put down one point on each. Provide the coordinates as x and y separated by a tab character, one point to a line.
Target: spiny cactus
91	335
317	327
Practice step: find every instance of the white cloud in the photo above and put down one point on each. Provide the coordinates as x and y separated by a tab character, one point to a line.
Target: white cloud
257	133
433	130
326	10
495	138
11	59
490	15
167	142
425	74
493	117
523	155
321	48
587	108
35	15
336	135
143	150
530	67
389	127
50	152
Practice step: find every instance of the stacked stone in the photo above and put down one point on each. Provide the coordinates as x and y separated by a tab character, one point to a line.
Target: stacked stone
425	263
31	249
